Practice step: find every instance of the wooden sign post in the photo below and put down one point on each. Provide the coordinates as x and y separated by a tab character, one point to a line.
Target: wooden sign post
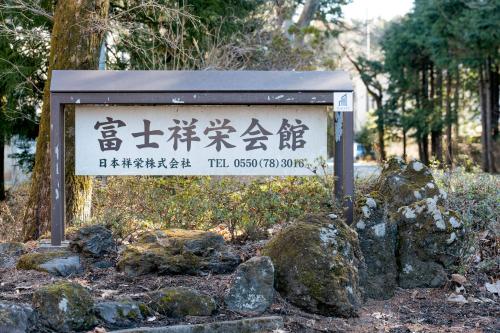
200	123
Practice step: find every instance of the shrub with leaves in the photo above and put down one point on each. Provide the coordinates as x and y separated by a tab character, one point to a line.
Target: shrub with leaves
246	209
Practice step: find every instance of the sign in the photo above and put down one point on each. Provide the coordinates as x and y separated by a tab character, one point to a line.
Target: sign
199	139
343	102
199	123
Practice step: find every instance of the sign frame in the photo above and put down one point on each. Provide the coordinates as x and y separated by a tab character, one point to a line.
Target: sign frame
200	88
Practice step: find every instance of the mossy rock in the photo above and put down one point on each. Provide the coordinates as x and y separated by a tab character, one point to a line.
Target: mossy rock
252	289
402	184
316	260
60	263
64	307
10	253
430	241
33	260
180	302
176	251
377	234
16	318
376	221
120	313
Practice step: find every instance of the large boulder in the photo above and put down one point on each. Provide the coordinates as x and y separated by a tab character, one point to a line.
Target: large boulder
403	184
180	302
59	263
64	307
429	242
10	253
252	289
93	241
178	251
121	313
316	261
16	318
399	184
377	234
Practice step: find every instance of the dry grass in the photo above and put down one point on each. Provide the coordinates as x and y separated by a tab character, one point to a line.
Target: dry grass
11	213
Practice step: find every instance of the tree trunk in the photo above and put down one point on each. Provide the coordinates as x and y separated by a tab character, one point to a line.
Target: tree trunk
308	12
437	130
456	103
493	113
403	112
425	106
484	101
76	36
449	122
380	128
425	149
2	165
305	18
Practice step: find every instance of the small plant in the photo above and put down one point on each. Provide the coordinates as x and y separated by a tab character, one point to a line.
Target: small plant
246	209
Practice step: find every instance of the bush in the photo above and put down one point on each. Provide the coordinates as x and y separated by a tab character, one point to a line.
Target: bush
245	209
476	197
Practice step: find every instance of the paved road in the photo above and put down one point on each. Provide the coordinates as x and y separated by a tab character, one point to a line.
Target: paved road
361	170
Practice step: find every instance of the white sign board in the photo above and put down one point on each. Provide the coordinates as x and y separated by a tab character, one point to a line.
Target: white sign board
199	140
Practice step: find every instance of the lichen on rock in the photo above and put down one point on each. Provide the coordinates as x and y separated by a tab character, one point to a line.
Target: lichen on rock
402	184
93	241
252	289
379	217
377	234
176	251
180	302
316	262
64	307
429	243
10	253
16	318
119	313
59	263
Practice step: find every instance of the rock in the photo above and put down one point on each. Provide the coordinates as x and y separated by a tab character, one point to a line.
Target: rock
93	241
316	262
399	185
64	307
377	238
460	299
458	278
123	313
249	325
252	290
180	302
409	182
176	251
493	288
429	242
103	264
59	263
16	318
403	184
9	254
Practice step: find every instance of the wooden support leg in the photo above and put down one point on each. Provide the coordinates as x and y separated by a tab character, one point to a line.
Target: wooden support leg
57	170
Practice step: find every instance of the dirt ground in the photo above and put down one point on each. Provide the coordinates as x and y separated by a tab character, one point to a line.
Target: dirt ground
417	310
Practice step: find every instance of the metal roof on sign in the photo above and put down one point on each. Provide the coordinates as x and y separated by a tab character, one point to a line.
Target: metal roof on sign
88	81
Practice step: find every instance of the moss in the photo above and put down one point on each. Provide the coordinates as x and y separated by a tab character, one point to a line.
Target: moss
171	251
145	310
315	261
181	302
32	261
65	306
